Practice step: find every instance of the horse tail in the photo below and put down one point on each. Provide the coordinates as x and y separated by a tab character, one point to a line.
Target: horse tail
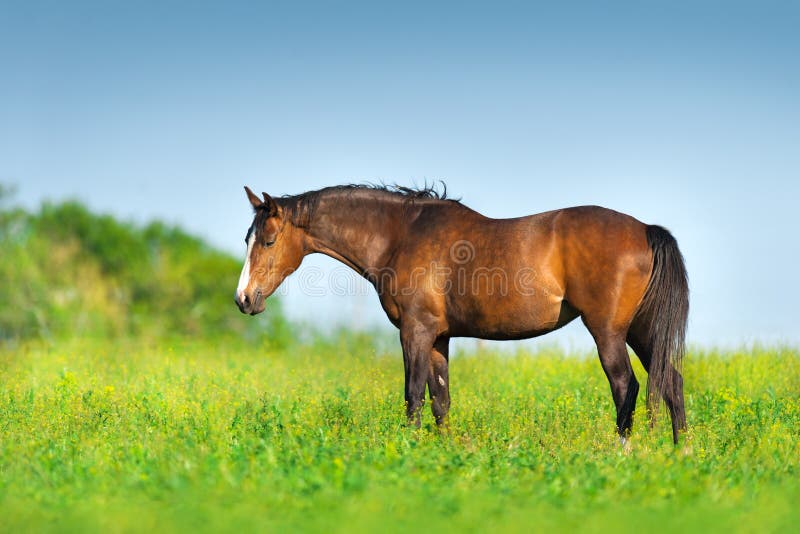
665	311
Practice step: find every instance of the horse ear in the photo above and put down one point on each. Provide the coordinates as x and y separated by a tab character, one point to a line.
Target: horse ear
253	198
272	206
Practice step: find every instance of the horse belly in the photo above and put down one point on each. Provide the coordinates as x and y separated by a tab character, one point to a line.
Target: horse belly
510	318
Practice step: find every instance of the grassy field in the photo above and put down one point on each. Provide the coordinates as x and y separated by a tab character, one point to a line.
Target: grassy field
131	436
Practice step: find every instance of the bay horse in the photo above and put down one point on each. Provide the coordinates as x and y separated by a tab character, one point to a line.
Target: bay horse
443	270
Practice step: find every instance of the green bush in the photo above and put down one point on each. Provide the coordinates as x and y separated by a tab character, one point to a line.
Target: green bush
69	272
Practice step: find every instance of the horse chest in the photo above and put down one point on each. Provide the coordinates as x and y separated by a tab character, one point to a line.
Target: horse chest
390	307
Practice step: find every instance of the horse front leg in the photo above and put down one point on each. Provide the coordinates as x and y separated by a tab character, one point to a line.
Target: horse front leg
439	380
417	342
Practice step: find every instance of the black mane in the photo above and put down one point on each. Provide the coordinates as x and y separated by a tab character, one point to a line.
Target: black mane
426	191
300	207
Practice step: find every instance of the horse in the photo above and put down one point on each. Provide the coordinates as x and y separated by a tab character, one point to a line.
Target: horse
443	270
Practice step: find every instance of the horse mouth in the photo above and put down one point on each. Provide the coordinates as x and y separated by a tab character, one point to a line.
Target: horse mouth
259	303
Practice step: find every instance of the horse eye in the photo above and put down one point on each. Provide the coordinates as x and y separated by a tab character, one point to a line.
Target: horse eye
269	243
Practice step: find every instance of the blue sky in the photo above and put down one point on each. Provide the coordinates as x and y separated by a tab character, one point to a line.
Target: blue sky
684	114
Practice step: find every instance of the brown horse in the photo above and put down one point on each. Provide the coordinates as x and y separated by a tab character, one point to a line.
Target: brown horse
442	270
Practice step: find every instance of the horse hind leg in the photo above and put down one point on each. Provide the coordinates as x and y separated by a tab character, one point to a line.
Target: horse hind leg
673	397
617	367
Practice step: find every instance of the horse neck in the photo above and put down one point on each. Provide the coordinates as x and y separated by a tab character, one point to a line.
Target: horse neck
360	230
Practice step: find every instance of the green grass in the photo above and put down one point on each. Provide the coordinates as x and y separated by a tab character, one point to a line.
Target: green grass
131	436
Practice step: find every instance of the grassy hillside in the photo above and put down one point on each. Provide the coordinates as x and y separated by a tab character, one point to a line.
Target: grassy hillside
68	272
224	437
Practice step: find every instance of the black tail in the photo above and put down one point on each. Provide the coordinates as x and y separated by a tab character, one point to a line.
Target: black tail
665	310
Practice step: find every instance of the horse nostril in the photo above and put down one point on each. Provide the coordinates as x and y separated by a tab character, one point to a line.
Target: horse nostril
243	302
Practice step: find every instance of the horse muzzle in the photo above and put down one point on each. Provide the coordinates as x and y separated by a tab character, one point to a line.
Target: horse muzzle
250	305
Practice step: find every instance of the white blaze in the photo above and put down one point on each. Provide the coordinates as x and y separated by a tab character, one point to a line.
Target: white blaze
244	278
